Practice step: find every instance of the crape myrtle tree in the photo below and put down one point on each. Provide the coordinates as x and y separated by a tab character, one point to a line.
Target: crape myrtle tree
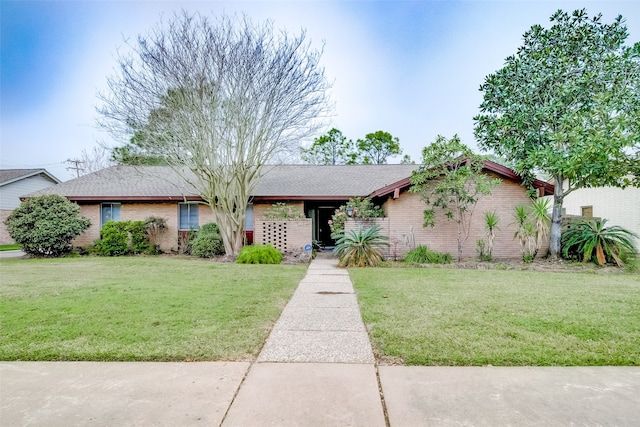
567	104
217	100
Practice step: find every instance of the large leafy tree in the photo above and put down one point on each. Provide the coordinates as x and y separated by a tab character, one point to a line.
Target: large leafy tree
217	100
377	147
451	181
567	104
333	148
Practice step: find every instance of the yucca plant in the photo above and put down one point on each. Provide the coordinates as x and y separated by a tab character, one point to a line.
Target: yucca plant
491	220
541	220
359	248
594	241
525	233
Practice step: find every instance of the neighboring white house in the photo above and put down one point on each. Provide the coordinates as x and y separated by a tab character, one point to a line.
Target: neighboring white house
620	207
15	183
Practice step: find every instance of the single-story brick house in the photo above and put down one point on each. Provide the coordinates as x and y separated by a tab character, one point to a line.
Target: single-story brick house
135	193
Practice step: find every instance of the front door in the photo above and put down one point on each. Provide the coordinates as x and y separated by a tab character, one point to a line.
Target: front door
324	230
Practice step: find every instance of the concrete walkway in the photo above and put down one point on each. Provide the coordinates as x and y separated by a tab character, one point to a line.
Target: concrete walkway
11	254
316	369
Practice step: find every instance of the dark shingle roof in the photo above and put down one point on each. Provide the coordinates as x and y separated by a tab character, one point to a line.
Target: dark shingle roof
162	182
8	176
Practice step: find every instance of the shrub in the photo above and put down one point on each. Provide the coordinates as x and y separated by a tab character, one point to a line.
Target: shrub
207	242
283	211
422	255
139	241
155	227
114	239
361	208
46	225
595	242
360	248
266	254
124	237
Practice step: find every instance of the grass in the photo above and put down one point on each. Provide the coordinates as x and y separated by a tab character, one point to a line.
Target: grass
139	308
12	247
502	318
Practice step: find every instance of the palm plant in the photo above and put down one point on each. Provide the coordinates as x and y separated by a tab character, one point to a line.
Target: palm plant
359	248
525	232
541	220
491	220
591	235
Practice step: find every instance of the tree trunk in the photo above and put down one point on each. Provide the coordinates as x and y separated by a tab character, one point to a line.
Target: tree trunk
459	241
556	218
232	234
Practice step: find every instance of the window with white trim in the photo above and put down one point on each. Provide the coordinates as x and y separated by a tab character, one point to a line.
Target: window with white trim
109	212
187	216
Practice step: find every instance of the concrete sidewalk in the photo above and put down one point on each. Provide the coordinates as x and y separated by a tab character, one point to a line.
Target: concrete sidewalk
11	254
316	369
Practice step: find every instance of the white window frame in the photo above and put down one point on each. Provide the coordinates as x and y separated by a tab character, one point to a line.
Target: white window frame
111	205
190	207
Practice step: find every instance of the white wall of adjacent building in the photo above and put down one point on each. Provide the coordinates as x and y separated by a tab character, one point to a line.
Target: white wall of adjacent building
619	206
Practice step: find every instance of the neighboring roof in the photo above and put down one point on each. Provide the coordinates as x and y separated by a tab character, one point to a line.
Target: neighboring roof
488	165
283	182
7	176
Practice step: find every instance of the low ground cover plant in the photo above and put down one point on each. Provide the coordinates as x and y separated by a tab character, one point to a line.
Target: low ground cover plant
501	318
139	309
259	254
423	255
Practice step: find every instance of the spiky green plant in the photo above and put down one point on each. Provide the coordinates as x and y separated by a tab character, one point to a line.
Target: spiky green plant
594	241
491	220
359	248
524	232
422	255
542	220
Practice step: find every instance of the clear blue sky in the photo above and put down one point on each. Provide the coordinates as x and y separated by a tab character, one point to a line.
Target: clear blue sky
411	68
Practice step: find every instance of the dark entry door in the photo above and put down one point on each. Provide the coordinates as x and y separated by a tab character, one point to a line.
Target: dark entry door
324	231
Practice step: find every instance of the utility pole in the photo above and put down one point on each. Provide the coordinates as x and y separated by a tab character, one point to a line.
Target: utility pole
77	167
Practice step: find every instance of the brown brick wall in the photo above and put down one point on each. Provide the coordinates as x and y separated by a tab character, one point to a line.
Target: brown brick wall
383	223
139	212
5	239
406	215
285	235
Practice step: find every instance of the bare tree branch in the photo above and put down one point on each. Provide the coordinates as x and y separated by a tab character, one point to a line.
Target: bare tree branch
220	98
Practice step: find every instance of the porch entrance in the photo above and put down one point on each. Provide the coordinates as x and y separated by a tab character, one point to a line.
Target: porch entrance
321	214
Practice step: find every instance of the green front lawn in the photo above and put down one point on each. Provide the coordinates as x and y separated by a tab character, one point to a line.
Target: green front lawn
139	308
470	317
12	247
